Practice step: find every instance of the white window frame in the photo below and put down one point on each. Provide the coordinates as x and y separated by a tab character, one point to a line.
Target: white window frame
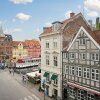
55	81
55	60
80	95
72	92
47	59
95	56
55	43
78	71
47	44
86	72
95	72
48	78
82	56
65	69
72	70
72	55
90	96
65	55
82	41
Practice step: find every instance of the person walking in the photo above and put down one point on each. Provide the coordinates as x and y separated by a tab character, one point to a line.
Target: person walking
13	67
9	66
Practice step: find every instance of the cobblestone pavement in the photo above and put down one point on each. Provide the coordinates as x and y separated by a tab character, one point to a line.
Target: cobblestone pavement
31	87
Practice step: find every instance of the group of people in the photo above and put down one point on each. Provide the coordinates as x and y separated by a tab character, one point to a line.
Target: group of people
11	66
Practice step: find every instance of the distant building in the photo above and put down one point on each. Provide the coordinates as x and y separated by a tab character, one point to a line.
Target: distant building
19	50
81	66
33	48
5	45
27	48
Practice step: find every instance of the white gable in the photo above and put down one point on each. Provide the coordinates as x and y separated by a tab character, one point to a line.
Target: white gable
88	35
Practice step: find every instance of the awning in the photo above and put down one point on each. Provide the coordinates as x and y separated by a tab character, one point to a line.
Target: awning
46	74
53	77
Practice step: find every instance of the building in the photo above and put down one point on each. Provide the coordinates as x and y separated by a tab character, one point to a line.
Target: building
53	40
19	50
34	48
5	45
81	66
27	48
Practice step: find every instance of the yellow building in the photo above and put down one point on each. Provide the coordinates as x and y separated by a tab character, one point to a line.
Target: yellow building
19	50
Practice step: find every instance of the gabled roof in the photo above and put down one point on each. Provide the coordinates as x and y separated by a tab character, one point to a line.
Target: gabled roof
64	23
16	43
92	35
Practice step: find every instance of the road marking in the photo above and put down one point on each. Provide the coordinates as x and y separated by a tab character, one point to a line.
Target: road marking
30	98
36	98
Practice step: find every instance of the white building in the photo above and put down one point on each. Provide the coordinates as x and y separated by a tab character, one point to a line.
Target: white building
53	40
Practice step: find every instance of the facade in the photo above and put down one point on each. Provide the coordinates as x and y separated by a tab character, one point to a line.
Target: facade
81	66
5	45
53	40
34	48
19	50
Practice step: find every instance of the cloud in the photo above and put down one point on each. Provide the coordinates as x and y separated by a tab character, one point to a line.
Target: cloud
67	14
93	7
48	24
92	14
21	1
15	30
23	17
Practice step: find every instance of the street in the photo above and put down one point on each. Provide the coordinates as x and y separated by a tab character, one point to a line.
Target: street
10	89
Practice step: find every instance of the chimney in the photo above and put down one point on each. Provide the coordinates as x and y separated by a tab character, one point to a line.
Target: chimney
97	23
45	28
72	14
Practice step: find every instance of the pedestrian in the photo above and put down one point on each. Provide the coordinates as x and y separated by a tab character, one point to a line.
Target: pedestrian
9	66
13	67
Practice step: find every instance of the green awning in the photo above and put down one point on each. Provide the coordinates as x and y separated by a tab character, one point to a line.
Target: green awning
46	74
53	77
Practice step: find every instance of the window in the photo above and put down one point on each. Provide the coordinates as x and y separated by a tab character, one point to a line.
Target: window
47	60
47	43
82	41
95	74
72	55
79	71
71	91
95	57
72	70
56	81
65	69
55	59
86	73
90	96
48	78
82	56
80	95
65	55
55	43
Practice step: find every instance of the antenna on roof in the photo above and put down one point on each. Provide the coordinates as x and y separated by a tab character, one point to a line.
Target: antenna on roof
83	7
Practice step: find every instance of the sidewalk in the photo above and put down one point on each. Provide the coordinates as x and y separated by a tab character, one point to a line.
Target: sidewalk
31	87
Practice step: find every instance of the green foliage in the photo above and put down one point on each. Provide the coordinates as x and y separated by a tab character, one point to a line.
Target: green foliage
98	26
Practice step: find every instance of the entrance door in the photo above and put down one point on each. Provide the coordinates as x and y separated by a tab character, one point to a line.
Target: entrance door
55	93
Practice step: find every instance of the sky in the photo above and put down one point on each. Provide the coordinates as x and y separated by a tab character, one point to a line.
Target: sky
25	19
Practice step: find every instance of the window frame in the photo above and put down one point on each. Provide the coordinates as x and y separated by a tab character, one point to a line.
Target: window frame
47	59
55	60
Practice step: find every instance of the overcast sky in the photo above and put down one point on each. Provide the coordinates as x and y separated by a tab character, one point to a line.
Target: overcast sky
25	19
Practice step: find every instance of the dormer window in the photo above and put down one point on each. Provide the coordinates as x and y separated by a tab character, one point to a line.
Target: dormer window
56	25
